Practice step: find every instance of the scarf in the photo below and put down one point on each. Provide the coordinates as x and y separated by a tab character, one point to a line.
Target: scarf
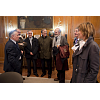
56	43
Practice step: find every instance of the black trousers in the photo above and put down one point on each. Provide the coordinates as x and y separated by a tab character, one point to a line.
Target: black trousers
48	64
61	76
29	65
21	65
61	73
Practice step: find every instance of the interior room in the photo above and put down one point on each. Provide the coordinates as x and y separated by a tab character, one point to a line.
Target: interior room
67	24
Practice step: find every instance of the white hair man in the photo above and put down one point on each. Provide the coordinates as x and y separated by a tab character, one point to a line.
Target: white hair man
58	41
12	61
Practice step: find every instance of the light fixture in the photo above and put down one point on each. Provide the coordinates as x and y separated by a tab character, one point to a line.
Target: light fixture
10	26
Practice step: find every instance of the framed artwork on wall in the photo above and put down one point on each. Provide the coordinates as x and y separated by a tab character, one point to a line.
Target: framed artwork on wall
35	22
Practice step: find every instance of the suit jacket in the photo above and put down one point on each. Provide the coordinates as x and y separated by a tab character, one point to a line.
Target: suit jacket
12	55
86	63
34	48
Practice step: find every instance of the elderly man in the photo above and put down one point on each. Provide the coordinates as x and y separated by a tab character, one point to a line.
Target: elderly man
76	36
12	61
31	52
58	41
45	48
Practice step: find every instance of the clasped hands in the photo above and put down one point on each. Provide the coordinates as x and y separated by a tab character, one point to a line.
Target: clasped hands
31	53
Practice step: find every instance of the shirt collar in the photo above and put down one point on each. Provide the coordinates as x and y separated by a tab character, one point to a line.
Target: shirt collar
13	41
31	38
44	37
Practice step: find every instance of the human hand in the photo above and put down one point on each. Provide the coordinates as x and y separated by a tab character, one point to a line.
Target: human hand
31	53
20	43
21	51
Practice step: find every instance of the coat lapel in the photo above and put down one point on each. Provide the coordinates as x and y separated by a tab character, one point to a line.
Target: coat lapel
77	52
74	54
29	42
61	41
16	45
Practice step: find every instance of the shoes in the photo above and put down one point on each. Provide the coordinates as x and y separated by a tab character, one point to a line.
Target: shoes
36	75
49	76
56	79
43	75
23	78
28	75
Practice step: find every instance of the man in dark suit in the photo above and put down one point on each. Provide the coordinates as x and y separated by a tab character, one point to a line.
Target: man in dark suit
12	61
31	52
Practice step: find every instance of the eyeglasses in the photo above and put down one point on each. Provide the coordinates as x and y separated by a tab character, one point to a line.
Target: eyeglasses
29	33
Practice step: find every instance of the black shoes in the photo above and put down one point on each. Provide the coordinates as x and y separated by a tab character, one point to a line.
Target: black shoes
56	79
43	75
28	75
49	76
36	75
23	78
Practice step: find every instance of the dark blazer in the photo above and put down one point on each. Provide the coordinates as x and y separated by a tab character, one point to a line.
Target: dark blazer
12	55
86	63
63	41
34	48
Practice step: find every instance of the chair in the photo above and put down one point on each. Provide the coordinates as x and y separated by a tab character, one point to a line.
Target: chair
11	77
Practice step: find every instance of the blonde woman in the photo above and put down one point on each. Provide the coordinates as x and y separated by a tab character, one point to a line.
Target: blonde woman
86	57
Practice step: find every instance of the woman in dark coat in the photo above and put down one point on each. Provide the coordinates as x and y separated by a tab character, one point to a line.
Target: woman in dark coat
86	57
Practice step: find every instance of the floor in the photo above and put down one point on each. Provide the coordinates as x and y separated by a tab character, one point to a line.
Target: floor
68	74
41	80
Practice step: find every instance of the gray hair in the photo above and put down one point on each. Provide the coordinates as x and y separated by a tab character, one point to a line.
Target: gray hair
29	31
12	33
43	30
59	30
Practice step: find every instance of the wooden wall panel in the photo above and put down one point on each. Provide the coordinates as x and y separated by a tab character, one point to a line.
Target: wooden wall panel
57	19
95	20
2	39
68	24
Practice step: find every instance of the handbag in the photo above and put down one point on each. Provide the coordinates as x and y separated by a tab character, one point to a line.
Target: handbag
64	51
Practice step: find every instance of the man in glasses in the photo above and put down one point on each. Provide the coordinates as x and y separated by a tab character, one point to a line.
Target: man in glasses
76	36
12	61
31	52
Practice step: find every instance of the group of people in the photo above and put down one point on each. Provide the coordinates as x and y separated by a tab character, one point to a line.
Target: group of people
85	53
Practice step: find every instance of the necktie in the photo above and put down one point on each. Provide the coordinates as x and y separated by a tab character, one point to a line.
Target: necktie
56	39
17	45
76	41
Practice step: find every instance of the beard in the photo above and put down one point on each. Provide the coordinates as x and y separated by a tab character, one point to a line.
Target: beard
55	35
